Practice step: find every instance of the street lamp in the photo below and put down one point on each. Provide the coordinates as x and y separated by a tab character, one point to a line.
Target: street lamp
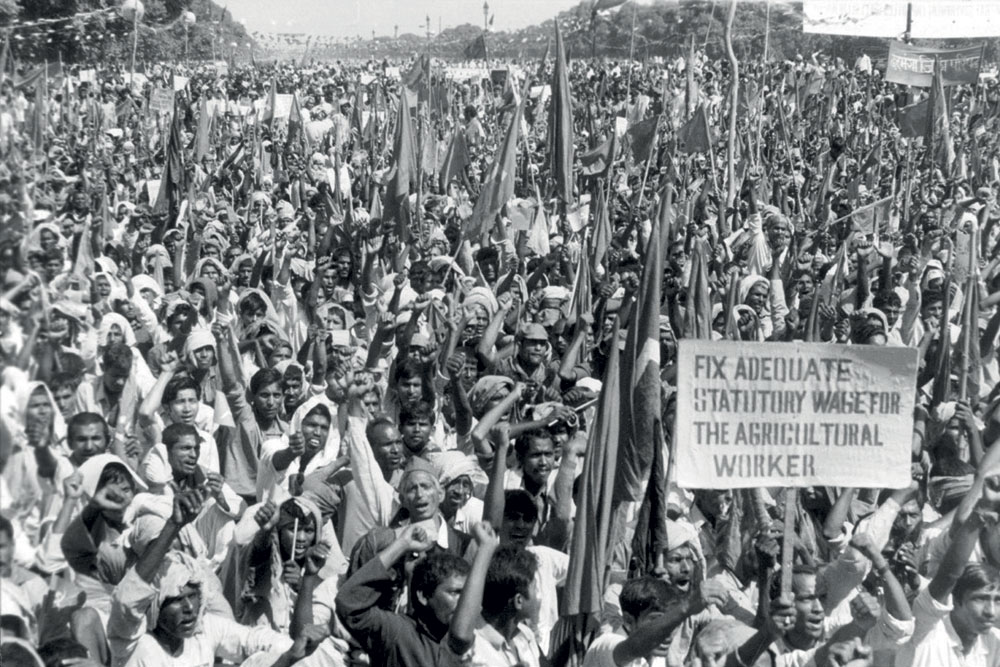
486	16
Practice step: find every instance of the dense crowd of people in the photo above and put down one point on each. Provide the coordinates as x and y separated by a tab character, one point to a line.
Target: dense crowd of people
258	408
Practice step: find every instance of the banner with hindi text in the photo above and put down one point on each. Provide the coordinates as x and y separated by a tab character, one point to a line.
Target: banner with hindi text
914	65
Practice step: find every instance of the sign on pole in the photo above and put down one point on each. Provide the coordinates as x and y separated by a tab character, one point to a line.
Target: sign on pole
914	65
161	100
793	415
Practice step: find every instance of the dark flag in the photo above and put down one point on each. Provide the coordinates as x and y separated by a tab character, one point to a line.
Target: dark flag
698	312
693	136
940	150
498	186
456	161
403	179
598	161
172	182
602	231
561	126
642	430
476	49
641	137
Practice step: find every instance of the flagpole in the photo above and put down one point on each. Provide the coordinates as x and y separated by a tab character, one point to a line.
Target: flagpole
734	90
135	43
631	51
767	30
649	159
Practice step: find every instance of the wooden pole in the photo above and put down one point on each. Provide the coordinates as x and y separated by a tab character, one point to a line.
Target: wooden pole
788	543
734	92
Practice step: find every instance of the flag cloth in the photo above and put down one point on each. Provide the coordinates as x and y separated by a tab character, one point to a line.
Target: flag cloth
267	119
6	59
39	115
971	381
456	161
203	140
172	186
601	5
598	161
582	301
940	150
602	231
403	179
650	538
593	530
942	375
693	137
641	430
561	126
641	137
698	311
357	110
419	78
498	186
476	49
296	136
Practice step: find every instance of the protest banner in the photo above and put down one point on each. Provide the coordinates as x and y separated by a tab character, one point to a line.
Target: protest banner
161	100
282	105
930	19
914	65
793	415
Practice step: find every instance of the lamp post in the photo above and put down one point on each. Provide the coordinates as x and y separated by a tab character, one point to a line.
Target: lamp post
486	16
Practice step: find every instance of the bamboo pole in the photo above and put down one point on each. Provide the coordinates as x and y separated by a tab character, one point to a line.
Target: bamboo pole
734	92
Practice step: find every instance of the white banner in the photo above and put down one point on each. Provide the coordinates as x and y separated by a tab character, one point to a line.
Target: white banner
793	414
931	19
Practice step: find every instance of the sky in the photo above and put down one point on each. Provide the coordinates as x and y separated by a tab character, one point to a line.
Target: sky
349	18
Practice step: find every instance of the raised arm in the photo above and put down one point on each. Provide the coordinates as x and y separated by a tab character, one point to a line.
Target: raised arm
487	344
470	603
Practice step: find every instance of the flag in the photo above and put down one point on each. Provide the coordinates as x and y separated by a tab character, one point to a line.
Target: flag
39	115
642	431
971	381
593	530
418	78
172	186
357	110
203	140
942	375
456	161
601	5
693	137
296	136
498	186
602	231
598	161
940	151
698	310
6	59
561	126
912	119
476	49
582	301
403	178
690	85
641	137
272	101
650	537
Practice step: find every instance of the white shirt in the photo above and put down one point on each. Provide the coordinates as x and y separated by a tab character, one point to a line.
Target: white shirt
936	644
491	649
550	575
218	637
